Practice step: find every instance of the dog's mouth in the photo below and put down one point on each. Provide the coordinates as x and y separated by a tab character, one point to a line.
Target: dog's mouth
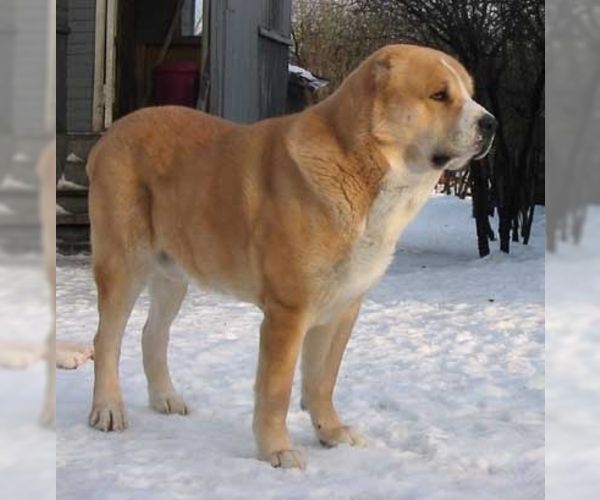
440	160
485	147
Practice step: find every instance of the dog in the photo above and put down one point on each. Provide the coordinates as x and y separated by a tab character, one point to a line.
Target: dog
298	215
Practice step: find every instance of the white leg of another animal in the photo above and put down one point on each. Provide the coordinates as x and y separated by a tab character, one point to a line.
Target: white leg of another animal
19	356
70	355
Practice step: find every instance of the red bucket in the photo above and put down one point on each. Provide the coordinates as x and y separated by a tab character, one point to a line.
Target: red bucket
176	83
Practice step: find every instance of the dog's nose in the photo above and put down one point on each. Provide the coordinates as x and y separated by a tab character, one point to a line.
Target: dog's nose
488	124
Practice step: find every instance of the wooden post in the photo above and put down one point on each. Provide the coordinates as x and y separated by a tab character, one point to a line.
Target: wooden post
62	33
203	96
50	94
109	80
99	59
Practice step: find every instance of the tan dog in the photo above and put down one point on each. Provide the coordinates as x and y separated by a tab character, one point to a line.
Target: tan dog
298	215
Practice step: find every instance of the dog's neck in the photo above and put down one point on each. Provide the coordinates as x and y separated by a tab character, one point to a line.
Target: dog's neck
335	143
373	158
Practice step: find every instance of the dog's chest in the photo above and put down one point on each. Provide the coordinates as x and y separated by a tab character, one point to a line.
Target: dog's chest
373	250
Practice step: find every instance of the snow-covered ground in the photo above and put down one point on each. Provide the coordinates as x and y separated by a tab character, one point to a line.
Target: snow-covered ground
444	374
573	382
27	451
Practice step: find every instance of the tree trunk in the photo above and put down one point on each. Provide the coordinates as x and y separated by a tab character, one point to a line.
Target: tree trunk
479	190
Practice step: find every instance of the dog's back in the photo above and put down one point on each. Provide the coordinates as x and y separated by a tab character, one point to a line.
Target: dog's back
155	166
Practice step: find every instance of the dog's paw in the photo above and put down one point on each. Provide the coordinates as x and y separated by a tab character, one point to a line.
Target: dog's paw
108	416
169	403
48	416
288	459
70	358
341	435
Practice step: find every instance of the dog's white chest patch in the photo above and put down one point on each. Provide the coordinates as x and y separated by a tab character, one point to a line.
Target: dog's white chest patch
397	203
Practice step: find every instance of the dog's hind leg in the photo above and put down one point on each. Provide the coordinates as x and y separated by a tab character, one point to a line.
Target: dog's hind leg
122	253
167	292
119	283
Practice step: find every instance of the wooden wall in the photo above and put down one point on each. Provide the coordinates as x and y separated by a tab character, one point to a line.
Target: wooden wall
80	63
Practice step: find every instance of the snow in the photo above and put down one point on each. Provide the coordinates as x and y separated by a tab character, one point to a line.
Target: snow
63	183
573	346
27	451
20	157
10	182
444	374
4	210
72	157
61	211
313	82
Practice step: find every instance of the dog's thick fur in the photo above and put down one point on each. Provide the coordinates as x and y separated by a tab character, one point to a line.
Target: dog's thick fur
298	215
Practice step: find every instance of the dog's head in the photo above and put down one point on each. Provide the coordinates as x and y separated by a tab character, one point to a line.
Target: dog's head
423	102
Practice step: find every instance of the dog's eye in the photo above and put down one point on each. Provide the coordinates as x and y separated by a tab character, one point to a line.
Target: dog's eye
441	96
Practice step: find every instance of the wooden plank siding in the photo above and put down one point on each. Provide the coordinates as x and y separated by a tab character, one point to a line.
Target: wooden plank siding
274	57
30	67
8	30
80	64
241	78
23	40
248	58
248	71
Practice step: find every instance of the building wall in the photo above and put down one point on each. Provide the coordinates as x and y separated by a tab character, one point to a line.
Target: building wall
24	34
7	41
31	68
80	63
249	71
152	20
25	78
274	58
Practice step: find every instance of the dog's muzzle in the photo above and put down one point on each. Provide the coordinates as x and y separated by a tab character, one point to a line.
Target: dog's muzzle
487	125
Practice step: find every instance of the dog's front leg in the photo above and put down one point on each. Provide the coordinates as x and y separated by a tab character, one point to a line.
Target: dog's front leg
281	336
322	353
